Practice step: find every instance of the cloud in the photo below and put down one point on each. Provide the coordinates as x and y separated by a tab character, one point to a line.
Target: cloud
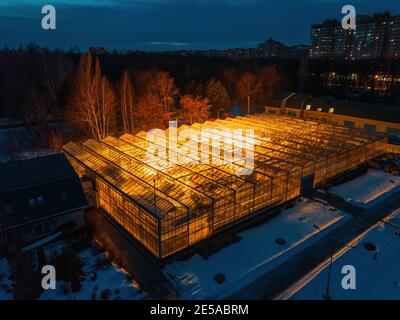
163	43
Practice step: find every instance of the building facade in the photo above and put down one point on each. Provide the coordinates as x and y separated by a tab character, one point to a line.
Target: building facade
275	49
369	117
375	37
38	197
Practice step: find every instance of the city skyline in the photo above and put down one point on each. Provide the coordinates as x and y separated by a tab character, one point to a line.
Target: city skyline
172	25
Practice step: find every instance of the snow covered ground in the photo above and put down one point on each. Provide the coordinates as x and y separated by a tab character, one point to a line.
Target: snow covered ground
25	155
368	189
20	140
5	283
97	279
377	276
257	253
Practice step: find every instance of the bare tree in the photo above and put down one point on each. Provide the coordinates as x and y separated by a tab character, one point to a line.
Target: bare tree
246	89
38	110
268	80
93	99
218	97
56	138
229	79
43	103
166	89
194	109
127	103
56	69
160	84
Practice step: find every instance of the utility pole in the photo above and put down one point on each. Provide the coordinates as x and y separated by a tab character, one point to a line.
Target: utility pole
328	282
248	104
326	295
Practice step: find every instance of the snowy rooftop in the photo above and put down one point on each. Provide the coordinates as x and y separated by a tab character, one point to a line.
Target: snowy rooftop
256	254
366	190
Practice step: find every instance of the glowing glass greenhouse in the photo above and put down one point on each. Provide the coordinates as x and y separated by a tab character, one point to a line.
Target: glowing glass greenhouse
170	208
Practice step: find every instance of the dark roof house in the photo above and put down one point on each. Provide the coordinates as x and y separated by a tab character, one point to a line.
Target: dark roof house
37	189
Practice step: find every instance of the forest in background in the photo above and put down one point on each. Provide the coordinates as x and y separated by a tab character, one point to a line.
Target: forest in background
66	94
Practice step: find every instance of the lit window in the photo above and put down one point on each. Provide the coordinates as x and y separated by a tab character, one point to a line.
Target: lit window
331	110
308	107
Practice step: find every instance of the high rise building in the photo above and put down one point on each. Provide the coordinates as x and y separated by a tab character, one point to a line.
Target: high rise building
322	39
393	51
342	42
271	48
371	36
375	37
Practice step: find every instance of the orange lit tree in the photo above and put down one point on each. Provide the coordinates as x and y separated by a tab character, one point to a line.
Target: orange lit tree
194	109
150	113
127	108
93	100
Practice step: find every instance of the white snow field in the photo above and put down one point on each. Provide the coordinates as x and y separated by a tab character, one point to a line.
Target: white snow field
377	273
108	277
368	189
256	254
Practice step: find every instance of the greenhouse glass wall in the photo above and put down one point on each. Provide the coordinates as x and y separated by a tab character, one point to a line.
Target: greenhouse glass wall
191	191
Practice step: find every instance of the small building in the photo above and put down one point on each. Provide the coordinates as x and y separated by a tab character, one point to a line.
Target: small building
37	198
373	118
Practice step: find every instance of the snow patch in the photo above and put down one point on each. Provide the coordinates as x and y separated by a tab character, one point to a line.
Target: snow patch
368	189
256	254
377	274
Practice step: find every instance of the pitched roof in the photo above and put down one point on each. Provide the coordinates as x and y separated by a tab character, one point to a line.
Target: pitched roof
357	109
364	110
20	174
37	189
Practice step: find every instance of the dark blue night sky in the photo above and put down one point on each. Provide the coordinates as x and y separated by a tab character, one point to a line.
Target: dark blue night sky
172	24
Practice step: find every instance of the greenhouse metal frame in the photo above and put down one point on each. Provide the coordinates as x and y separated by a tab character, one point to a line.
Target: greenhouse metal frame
170	208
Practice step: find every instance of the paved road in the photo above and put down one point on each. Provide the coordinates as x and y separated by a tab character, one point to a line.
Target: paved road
278	280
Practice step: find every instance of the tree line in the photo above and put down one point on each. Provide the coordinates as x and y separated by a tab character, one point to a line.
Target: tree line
101	94
150	98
